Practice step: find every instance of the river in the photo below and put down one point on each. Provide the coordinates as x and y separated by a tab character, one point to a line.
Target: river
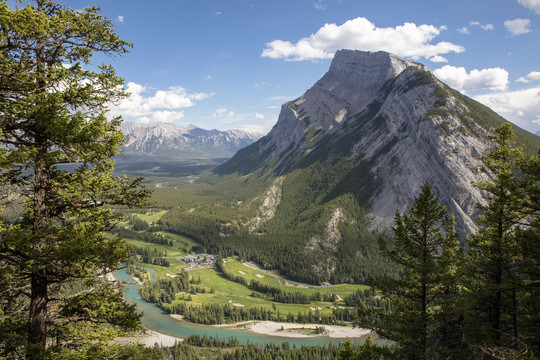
156	319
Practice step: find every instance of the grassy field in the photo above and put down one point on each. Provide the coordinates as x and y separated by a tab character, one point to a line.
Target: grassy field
227	291
236	267
151	217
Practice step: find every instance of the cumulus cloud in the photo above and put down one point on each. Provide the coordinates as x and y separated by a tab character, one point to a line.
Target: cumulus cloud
464	30
259	116
534	5
458	78
532	76
518	26
161	106
408	40
521	107
439	58
120	19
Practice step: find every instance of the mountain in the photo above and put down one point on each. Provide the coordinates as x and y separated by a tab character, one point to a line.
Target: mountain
164	141
377	126
311	197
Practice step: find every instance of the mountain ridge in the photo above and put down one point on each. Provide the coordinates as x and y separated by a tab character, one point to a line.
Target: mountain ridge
400	124
170	140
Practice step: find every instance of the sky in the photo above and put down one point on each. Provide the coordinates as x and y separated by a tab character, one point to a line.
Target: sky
231	64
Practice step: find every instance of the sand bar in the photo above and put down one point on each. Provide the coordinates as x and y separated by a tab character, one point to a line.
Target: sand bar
294	330
272	328
148	339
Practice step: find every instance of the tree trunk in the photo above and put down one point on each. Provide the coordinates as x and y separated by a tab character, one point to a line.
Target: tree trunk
37	332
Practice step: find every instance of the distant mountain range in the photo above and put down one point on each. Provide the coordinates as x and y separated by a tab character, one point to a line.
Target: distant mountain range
162	141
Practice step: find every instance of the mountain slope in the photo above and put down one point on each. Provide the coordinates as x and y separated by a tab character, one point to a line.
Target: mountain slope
399	124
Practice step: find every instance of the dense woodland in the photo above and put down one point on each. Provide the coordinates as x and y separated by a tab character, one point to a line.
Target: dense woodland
280	243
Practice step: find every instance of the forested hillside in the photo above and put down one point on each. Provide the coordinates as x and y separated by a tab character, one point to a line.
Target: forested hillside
311	235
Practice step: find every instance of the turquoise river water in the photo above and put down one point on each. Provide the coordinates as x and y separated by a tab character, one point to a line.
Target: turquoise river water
156	319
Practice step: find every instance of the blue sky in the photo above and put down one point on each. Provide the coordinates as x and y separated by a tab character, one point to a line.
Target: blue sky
232	64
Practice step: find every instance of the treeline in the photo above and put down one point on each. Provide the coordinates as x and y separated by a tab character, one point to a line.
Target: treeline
212	314
148	235
163	291
222	350
289	297
273	293
368	300
150	256
477	302
196	347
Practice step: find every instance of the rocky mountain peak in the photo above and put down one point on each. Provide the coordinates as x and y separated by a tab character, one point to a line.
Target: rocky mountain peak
399	123
368	69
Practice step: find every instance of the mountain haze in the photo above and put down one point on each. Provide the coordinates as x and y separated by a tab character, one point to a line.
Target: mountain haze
395	124
166	140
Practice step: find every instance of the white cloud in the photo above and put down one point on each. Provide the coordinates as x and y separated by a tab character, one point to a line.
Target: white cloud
259	116
438	59
218	13
458	78
223	114
532	76
161	116
518	26
263	84
162	106
279	98
483	27
534	5
408	40
319	5
120	19
486	27
521	107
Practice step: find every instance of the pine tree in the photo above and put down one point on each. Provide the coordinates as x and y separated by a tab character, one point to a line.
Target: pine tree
346	350
426	250
494	255
368	351
528	238
53	103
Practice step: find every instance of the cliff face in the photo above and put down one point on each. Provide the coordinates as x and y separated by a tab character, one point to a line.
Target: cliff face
400	125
